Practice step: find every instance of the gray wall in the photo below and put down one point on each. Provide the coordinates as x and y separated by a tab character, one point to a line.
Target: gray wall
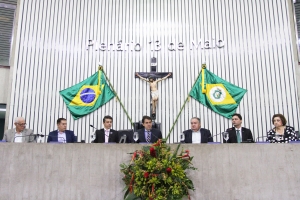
91	171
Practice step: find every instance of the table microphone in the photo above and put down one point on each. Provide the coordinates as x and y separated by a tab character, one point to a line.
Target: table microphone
215	135
154	136
93	126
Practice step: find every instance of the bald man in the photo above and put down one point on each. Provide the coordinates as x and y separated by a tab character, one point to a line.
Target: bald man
197	134
20	133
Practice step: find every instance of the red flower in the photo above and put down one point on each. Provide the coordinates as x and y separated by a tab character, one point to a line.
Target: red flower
152	152
169	170
133	156
158	143
146	174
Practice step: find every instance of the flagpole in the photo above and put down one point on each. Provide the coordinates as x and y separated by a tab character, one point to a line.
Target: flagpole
101	68
186	100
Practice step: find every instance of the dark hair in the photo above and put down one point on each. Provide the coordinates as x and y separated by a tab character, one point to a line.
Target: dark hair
60	119
146	117
197	118
107	117
238	115
282	118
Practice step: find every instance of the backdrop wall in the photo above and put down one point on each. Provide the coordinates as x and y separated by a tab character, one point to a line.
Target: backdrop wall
248	43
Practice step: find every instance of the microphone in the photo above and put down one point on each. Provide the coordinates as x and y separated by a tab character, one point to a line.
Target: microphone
93	126
212	136
21	136
215	135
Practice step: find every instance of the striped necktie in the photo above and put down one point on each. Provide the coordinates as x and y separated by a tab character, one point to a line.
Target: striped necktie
148	139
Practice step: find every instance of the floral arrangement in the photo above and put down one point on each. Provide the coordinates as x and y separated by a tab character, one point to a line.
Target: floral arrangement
155	172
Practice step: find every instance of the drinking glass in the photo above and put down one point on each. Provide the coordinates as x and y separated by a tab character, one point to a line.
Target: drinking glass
225	136
182	137
135	136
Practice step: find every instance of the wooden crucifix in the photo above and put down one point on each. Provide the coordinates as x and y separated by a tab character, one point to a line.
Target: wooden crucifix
153	78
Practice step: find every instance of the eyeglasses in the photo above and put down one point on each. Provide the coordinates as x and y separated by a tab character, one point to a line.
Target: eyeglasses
23	124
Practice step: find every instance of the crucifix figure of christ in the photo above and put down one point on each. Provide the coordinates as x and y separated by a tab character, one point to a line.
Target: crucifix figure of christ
153	78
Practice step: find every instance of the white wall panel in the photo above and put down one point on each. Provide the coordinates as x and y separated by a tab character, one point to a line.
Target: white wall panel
51	55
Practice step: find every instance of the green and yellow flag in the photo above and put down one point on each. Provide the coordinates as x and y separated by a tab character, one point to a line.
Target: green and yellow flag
88	95
217	94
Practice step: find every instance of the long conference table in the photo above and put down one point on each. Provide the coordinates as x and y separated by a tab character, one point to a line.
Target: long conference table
92	171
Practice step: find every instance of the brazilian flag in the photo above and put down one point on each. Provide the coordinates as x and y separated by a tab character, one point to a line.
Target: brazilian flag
217	94
88	95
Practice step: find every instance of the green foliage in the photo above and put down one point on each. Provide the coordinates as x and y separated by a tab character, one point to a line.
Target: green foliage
155	172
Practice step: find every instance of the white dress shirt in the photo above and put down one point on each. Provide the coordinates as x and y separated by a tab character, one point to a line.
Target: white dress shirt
106	133
18	137
196	136
61	137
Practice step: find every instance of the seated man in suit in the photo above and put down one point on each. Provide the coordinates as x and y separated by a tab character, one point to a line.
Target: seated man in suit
148	134
107	134
61	134
197	134
237	133
20	133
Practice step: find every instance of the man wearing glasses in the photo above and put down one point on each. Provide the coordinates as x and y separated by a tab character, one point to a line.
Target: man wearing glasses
20	133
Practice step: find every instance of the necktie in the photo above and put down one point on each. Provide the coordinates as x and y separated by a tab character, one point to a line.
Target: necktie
106	136
148	139
238	136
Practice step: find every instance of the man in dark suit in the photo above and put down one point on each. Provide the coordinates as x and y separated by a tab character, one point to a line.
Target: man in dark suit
107	134
237	133
148	134
61	134
197	134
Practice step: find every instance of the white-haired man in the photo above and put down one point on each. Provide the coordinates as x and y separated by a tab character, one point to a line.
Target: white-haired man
19	133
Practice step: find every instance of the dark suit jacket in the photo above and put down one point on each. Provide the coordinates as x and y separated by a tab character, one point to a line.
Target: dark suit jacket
205	136
70	137
155	135
246	134
100	136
